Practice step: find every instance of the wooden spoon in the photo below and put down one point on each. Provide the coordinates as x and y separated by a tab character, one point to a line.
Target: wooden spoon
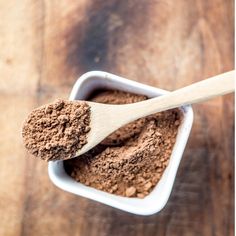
105	118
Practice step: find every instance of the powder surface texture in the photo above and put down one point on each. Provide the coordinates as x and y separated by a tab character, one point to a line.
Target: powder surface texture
57	130
131	161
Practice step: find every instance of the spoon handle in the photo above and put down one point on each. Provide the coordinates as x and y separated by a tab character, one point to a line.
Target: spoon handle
194	93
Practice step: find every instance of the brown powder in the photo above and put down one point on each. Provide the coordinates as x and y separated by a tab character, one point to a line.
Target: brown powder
56	131
131	161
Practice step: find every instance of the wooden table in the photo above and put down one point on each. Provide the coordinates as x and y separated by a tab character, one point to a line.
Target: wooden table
46	45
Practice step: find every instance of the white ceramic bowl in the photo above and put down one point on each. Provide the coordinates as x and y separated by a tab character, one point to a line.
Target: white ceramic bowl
157	199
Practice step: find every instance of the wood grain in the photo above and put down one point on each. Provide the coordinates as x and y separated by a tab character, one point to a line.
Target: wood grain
46	45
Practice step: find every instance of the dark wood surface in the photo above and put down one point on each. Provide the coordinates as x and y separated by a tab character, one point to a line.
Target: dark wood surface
46	45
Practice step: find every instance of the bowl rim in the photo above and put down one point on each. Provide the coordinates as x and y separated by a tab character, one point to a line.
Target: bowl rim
55	169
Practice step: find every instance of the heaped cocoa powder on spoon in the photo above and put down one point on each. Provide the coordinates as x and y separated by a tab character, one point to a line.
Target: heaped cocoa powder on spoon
57	130
131	161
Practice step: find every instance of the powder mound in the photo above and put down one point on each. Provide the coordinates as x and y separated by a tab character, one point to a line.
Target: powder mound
57	130
131	161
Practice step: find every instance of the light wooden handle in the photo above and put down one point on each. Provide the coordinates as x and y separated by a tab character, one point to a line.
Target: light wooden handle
197	92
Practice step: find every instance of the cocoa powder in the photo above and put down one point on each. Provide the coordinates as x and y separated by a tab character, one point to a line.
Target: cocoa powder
56	131
131	161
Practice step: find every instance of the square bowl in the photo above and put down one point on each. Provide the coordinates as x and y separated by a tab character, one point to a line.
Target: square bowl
158	198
